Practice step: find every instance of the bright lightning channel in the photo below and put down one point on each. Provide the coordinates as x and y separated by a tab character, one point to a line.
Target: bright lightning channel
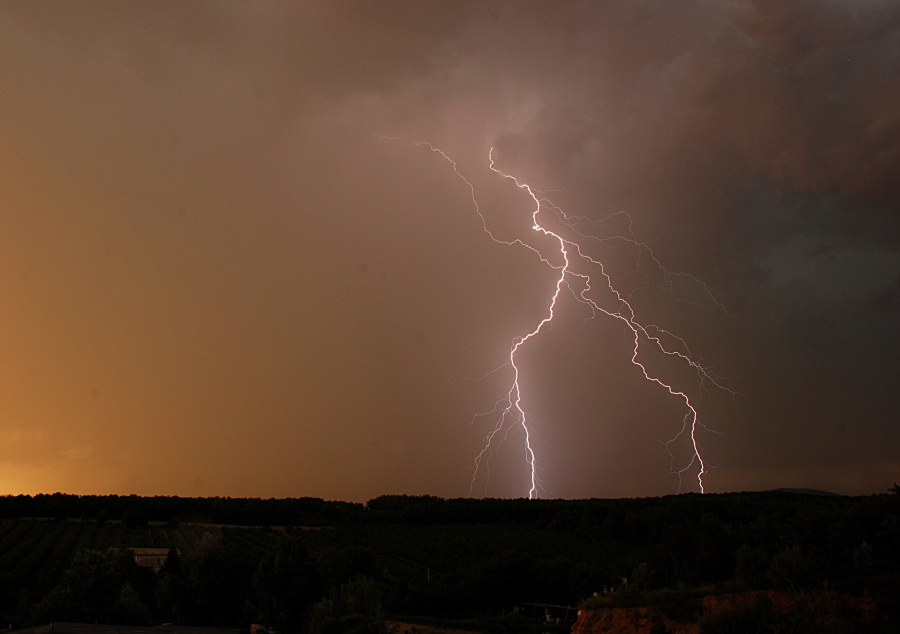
509	410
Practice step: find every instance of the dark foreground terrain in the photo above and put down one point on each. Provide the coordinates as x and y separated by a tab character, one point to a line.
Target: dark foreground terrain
790	561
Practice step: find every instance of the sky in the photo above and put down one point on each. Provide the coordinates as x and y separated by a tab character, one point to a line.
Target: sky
229	266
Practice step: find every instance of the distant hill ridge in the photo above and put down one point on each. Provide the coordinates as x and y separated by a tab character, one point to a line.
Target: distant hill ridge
810	492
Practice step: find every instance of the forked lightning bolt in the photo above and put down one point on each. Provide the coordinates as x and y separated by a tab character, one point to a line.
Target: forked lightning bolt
578	273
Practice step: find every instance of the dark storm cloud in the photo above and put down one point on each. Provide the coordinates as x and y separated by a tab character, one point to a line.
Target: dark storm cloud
757	144
887	299
237	245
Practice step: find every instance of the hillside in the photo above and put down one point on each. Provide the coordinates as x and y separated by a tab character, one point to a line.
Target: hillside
466	563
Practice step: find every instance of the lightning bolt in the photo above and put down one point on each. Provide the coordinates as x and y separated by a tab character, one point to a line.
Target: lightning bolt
586	278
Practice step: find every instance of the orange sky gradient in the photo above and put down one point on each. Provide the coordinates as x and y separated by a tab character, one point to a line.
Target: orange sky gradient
227	269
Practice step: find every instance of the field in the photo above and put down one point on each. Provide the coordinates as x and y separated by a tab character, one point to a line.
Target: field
466	563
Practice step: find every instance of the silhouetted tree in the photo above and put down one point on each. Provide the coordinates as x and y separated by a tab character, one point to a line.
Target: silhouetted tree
751	564
87	592
354	608
285	585
173	564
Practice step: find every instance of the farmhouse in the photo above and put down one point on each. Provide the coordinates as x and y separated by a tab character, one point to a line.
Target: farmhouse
154	558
